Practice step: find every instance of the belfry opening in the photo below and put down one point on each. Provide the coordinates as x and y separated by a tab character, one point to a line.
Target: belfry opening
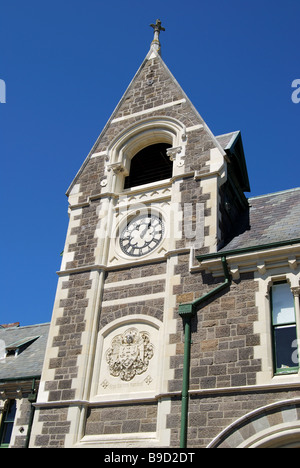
151	164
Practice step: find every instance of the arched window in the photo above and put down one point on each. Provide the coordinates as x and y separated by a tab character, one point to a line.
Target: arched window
149	165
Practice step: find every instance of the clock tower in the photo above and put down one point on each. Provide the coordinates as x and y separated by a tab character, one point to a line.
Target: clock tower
145	201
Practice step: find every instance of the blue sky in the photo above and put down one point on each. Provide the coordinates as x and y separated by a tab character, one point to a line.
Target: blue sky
67	63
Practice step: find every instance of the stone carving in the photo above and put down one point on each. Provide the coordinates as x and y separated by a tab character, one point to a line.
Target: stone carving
117	168
172	152
129	354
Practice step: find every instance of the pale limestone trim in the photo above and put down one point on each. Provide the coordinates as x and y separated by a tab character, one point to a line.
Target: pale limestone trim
130	319
149	111
142	261
144	280
37	427
145	132
167	395
249	417
85	360
149	131
156	193
52	352
124	401
16	428
286	431
194	127
131	192
71	239
99	153
141	189
164	210
160	438
163	410
74	195
77	416
206	175
247	389
210	186
263	326
132	300
169	324
136	390
135	440
263	261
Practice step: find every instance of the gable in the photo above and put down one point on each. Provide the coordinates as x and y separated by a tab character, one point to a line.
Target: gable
153	92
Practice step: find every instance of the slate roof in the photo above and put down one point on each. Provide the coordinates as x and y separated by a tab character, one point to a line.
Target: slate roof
233	146
273	218
31	343
227	139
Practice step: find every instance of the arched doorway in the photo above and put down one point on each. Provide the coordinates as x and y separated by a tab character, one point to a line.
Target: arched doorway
273	426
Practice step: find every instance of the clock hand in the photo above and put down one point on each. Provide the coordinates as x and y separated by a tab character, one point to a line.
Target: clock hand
148	231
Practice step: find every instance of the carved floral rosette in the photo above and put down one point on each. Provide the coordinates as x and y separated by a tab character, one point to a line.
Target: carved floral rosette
129	354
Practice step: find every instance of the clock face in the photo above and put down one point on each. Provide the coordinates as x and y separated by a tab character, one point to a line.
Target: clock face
142	235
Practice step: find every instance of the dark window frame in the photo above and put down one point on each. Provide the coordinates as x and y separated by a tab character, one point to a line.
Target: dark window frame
7	424
279	350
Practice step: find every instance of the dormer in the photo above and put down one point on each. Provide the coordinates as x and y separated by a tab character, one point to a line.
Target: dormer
17	347
234	207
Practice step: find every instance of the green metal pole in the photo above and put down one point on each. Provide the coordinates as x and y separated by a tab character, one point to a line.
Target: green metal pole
187	312
185	381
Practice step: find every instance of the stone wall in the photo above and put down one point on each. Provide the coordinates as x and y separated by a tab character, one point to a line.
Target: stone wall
125	419
240	415
101	294
54	425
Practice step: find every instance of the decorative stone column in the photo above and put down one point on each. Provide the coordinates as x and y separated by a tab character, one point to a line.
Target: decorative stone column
3	406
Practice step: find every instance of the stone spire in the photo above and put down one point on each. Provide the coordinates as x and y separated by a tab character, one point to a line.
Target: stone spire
155	44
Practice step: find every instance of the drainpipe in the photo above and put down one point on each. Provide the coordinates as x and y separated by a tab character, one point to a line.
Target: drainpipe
187	321
187	312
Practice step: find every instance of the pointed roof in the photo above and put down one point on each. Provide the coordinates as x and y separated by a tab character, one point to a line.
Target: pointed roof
233	145
153	91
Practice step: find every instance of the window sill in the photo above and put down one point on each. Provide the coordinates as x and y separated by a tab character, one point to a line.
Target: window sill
289	371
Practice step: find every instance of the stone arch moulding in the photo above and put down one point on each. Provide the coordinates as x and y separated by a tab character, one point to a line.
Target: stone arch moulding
127	360
145	133
273	426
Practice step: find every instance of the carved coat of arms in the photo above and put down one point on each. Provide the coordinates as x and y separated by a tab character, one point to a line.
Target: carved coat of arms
129	354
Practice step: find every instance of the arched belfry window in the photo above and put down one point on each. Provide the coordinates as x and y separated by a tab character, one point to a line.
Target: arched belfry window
149	165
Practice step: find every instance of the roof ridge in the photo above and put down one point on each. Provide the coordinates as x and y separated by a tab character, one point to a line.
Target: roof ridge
27	326
274	193
228	133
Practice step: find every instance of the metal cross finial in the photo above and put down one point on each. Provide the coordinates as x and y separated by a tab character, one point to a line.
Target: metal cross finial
157	28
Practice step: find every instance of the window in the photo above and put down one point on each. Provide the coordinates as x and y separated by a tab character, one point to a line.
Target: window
284	329
7	424
149	165
16	348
